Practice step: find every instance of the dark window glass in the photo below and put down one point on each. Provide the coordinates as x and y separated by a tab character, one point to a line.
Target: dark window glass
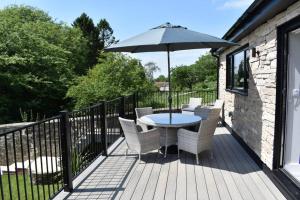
239	71
228	73
237	67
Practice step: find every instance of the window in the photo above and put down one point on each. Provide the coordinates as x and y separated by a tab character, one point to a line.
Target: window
237	71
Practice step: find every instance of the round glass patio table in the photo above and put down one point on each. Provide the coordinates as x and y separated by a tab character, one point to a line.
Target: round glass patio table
177	120
170	123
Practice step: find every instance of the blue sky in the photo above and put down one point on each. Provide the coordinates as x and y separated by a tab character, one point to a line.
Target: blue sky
132	17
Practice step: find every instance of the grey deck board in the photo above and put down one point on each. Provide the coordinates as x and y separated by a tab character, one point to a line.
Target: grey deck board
246	175
172	179
201	183
162	180
151	186
264	190
266	181
212	189
230	174
181	177
227	175
141	186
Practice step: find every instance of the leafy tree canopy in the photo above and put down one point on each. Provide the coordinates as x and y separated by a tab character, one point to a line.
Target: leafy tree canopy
39	59
150	68
161	78
91	33
116	75
106	37
200	75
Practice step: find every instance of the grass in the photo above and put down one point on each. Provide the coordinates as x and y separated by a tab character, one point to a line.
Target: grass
34	192
160	99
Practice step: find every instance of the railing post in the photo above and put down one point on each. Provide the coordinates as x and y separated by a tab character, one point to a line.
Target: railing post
103	126
66	151
92	124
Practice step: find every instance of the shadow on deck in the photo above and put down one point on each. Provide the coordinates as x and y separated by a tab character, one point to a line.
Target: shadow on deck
231	174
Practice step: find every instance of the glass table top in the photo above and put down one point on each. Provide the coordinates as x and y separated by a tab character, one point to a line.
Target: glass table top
176	120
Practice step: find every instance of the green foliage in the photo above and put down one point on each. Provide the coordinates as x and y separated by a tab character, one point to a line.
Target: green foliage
200	75
38	61
150	68
161	78
106	37
91	33
116	75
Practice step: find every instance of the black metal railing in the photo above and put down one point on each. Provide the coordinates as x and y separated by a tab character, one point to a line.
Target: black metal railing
158	100
43	158
31	161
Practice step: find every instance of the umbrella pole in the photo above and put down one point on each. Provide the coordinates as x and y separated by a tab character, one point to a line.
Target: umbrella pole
169	80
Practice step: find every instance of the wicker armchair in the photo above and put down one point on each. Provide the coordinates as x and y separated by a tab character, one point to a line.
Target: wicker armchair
203	112
197	142
194	103
141	142
140	112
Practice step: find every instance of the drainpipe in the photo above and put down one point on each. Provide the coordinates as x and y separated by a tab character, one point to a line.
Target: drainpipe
218	67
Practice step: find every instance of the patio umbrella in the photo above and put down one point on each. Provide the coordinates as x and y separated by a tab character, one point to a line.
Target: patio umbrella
168	37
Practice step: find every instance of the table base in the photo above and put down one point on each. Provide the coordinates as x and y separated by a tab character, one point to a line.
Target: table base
171	149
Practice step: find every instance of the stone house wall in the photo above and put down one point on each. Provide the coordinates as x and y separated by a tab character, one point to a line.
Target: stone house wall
253	116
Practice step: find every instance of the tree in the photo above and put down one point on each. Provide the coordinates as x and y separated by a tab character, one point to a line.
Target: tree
200	75
114	76
150	68
106	37
38	62
91	33
182	77
161	78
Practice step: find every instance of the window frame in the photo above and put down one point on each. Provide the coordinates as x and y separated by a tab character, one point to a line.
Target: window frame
230	87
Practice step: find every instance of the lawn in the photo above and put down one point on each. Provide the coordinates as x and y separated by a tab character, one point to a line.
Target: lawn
159	100
32	191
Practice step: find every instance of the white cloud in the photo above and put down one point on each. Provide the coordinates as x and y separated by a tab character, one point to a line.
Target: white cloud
236	4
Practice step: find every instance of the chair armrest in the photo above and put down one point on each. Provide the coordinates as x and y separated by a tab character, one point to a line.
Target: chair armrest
150	136
186	133
153	131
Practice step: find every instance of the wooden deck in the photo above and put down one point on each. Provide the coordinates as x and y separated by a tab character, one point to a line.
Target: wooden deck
231	174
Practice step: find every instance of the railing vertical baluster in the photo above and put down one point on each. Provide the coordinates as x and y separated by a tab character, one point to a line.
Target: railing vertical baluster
66	151
35	154
29	159
16	167
1	185
23	167
177	97
51	155
41	156
55	150
121	113
7	164
59	127
92	124
134	105
103	126
46	155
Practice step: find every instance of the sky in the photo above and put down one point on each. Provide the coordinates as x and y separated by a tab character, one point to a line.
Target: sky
131	17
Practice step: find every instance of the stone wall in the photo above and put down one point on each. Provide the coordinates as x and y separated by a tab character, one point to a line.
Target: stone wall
253	116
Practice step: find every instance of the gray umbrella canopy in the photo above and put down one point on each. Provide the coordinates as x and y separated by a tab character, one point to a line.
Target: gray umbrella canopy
176	37
168	37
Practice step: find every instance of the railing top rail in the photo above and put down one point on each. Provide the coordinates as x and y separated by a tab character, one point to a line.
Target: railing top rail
30	125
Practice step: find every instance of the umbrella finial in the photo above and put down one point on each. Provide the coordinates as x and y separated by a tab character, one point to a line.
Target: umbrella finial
169	25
